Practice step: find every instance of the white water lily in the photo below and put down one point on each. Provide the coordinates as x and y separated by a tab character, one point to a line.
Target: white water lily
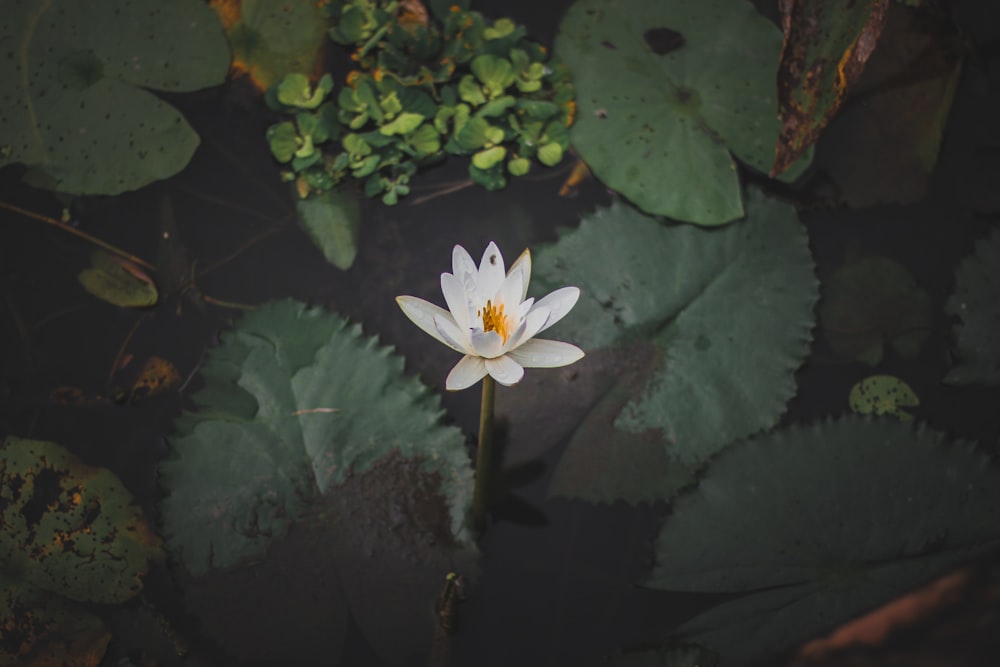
490	320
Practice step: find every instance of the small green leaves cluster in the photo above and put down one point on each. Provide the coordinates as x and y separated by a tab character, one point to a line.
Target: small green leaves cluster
455	83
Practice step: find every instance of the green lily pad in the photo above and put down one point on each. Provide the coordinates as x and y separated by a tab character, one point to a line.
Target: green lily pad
118	281
871	303
77	105
70	528
819	523
883	395
724	318
295	401
976	303
662	127
332	221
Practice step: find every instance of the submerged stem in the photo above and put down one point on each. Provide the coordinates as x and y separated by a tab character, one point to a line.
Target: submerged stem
484	456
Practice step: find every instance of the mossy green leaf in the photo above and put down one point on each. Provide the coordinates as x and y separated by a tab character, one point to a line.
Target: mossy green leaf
404	123
297	401
882	395
976	304
70	528
723	320
663	126
332	221
118	281
283	141
78	109
550	154
488	157
819	523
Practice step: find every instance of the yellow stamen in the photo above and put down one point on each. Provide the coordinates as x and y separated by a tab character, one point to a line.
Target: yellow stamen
494	320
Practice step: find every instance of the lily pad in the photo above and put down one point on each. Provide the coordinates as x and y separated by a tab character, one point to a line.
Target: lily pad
819	523
662	126
70	528
722	321
976	302
41	629
871	303
332	221
77	108
883	395
310	438
295	400
118	281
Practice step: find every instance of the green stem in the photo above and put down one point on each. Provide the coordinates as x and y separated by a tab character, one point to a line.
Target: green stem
484	456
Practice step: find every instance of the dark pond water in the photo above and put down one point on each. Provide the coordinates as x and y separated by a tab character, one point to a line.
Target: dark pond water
558	581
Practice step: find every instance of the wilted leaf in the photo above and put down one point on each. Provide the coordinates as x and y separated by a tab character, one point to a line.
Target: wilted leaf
883	395
118	281
818	523
332	221
825	49
77	109
976	302
871	303
70	528
662	125
724	318
157	376
885	141
39	629
270	40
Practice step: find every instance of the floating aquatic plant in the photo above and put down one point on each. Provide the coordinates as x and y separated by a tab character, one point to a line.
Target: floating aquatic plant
456	84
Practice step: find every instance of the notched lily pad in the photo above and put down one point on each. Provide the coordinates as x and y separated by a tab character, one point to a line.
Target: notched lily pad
668	93
883	395
295	400
871	303
76	108
976	303
70	528
725	318
819	523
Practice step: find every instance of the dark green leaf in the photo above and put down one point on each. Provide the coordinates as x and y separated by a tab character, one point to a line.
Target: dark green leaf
976	303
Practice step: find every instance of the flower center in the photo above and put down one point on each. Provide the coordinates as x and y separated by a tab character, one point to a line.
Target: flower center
494	320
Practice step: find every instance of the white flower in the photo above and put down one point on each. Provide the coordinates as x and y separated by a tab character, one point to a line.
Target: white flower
491	322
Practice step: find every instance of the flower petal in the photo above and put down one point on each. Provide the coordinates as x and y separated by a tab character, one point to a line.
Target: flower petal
455	297
523	265
466	373
491	274
532	324
487	343
453	336
505	370
541	353
559	303
509	294
422	313
464	268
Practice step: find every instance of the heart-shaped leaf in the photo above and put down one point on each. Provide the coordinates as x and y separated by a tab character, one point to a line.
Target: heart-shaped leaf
659	119
77	107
